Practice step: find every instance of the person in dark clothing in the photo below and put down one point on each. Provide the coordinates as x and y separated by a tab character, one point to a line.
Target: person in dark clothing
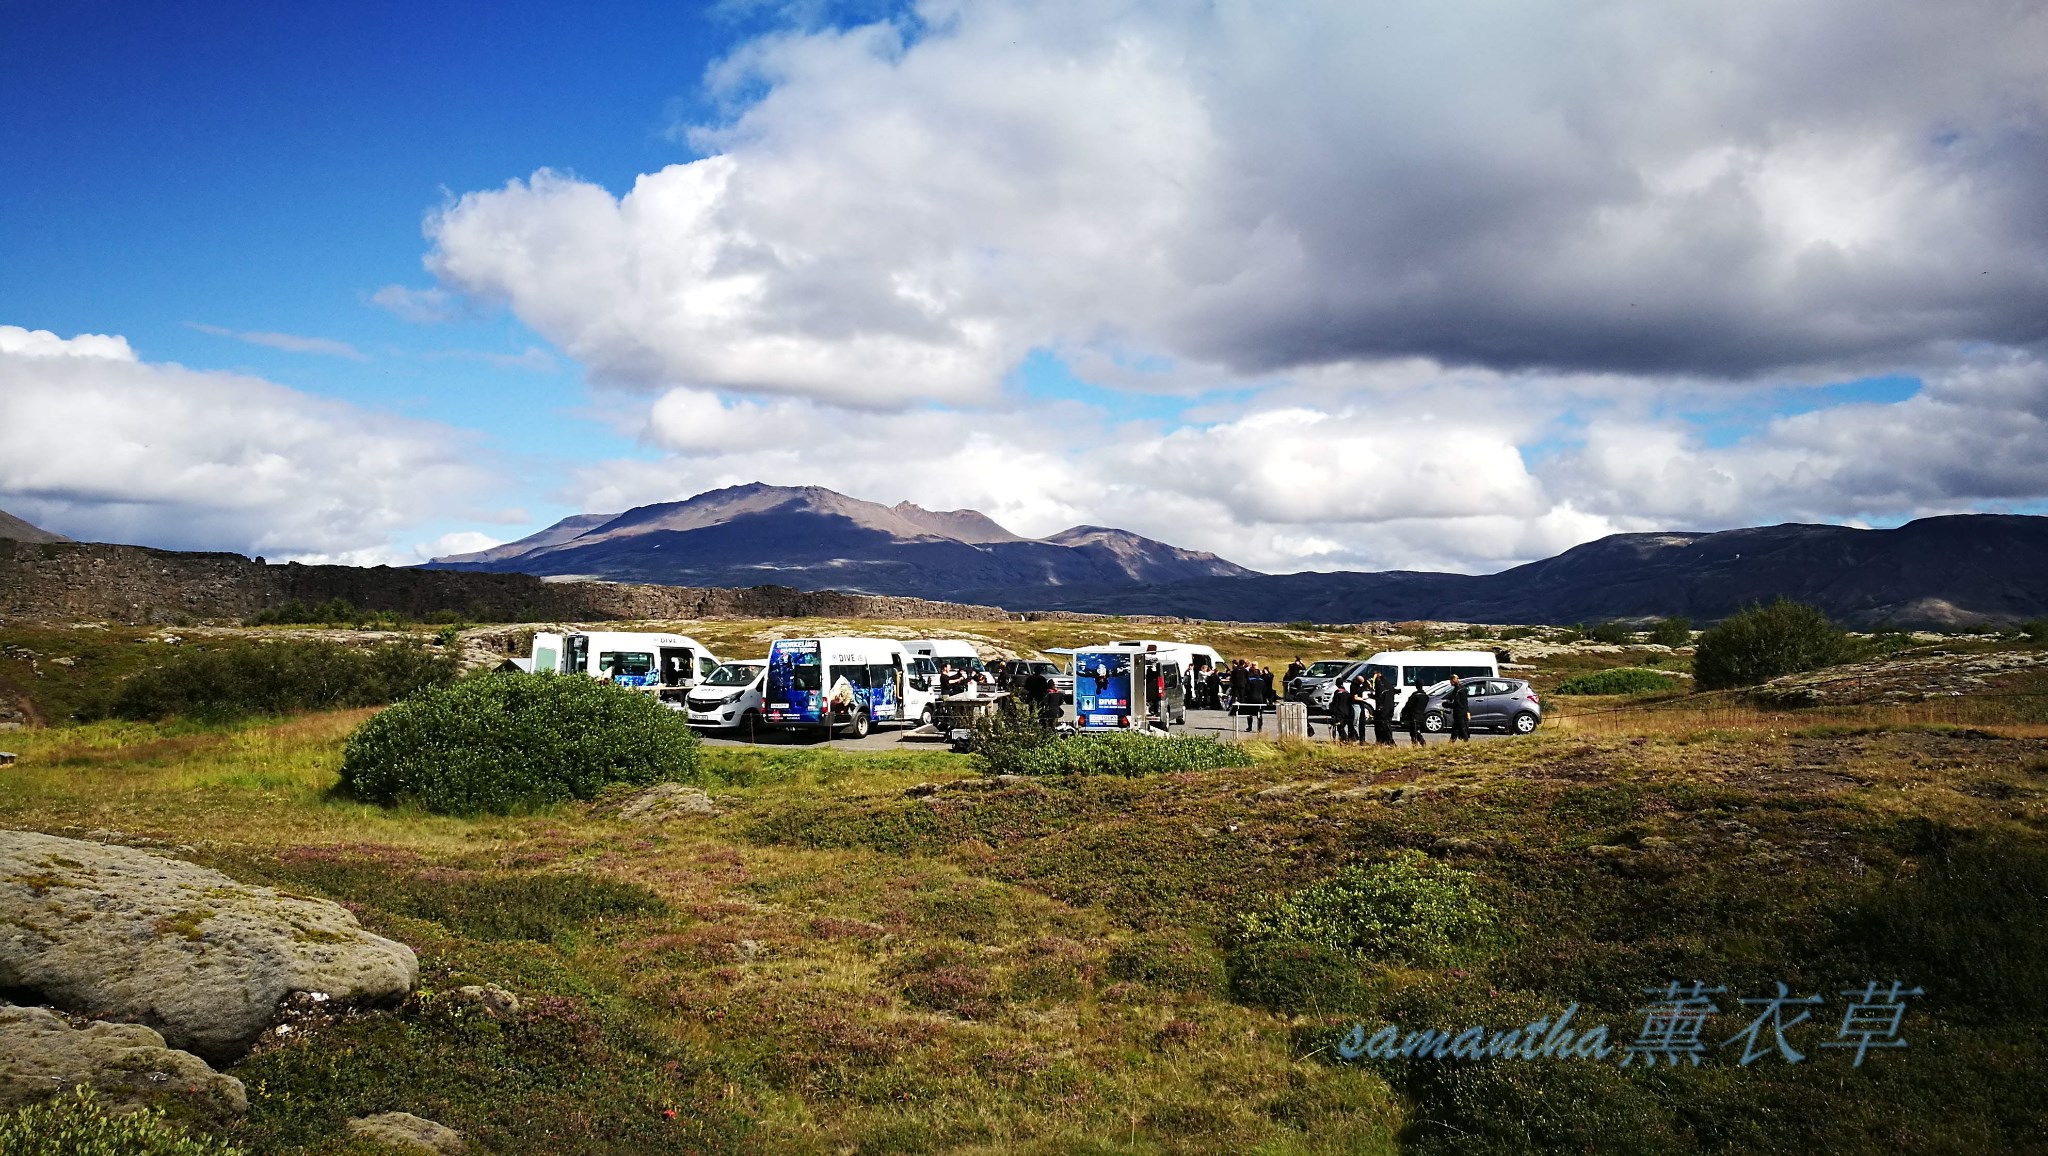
1252	705
1411	715
1240	681
1294	670
1460	705
1340	713
1383	710
1360	707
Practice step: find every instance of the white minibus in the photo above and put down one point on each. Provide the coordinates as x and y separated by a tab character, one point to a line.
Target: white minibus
664	665
844	683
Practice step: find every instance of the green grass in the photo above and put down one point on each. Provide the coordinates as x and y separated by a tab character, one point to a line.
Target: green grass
832	964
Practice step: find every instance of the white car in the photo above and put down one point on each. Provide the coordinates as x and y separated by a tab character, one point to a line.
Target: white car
729	697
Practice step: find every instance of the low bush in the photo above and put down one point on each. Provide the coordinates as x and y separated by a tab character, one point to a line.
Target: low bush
78	1124
1618	680
1128	755
225	683
1763	642
507	742
1613	633
1673	632
1408	909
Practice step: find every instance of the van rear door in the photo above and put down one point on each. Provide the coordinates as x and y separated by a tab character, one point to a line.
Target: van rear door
547	653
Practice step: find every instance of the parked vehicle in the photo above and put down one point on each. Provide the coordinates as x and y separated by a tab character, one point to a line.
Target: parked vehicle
1020	671
1320	673
663	665
1410	670
730	697
1509	705
1127	685
850	684
957	653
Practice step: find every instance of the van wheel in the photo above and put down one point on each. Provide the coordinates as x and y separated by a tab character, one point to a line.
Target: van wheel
1434	722
926	719
1525	723
858	726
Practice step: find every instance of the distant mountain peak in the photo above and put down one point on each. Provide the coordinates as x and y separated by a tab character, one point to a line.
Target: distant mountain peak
20	531
818	538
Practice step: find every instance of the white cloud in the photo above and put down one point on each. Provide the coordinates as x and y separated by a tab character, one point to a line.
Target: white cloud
102	446
430	306
289	342
1711	190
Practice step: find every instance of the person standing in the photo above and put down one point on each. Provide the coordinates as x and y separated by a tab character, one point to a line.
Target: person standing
1340	713
1250	702
1294	670
1412	712
1460	704
1383	710
1360	707
1240	680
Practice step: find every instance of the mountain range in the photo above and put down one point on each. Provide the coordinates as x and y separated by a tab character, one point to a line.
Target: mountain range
1936	571
814	539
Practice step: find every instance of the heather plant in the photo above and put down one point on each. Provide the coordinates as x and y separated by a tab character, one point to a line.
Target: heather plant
77	1123
237	681
1618	680
500	743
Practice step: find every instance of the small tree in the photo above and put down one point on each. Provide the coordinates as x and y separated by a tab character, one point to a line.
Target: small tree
1763	642
1672	632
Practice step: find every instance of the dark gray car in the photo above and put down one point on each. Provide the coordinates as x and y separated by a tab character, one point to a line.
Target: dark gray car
1498	704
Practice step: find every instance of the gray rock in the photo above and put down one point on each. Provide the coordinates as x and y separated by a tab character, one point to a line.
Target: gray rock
124	934
407	1131
495	1000
41	1055
666	801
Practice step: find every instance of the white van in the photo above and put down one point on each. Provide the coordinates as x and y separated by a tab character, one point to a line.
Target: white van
954	652
844	683
730	696
663	665
1413	670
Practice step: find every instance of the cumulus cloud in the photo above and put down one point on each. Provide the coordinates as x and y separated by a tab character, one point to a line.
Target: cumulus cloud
897	212
104	446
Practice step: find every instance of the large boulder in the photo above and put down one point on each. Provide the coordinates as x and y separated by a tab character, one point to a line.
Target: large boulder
122	934
41	1055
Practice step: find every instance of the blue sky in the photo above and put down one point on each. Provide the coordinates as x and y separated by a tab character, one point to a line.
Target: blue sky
1282	290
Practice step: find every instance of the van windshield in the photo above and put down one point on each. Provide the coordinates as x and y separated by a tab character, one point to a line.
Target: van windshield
1327	668
733	674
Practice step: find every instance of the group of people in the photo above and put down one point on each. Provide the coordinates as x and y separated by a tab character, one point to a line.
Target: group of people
1246	689
1370	700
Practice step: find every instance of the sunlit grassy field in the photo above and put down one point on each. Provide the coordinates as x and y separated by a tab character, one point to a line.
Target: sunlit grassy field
837	963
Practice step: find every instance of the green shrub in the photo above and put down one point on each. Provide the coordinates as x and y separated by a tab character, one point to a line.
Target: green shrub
2035	632
1673	632
1307	978
1128	755
1763	642
1618	680
77	1124
261	678
1409	909
505	742
1613	633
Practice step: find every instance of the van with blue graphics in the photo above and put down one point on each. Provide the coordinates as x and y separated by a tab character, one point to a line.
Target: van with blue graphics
663	665
845	684
1134	685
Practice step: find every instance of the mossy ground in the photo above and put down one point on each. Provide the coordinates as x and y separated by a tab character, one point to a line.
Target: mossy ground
833	965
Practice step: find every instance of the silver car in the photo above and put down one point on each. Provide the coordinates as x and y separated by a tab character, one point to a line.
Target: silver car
1319	677
1509	705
